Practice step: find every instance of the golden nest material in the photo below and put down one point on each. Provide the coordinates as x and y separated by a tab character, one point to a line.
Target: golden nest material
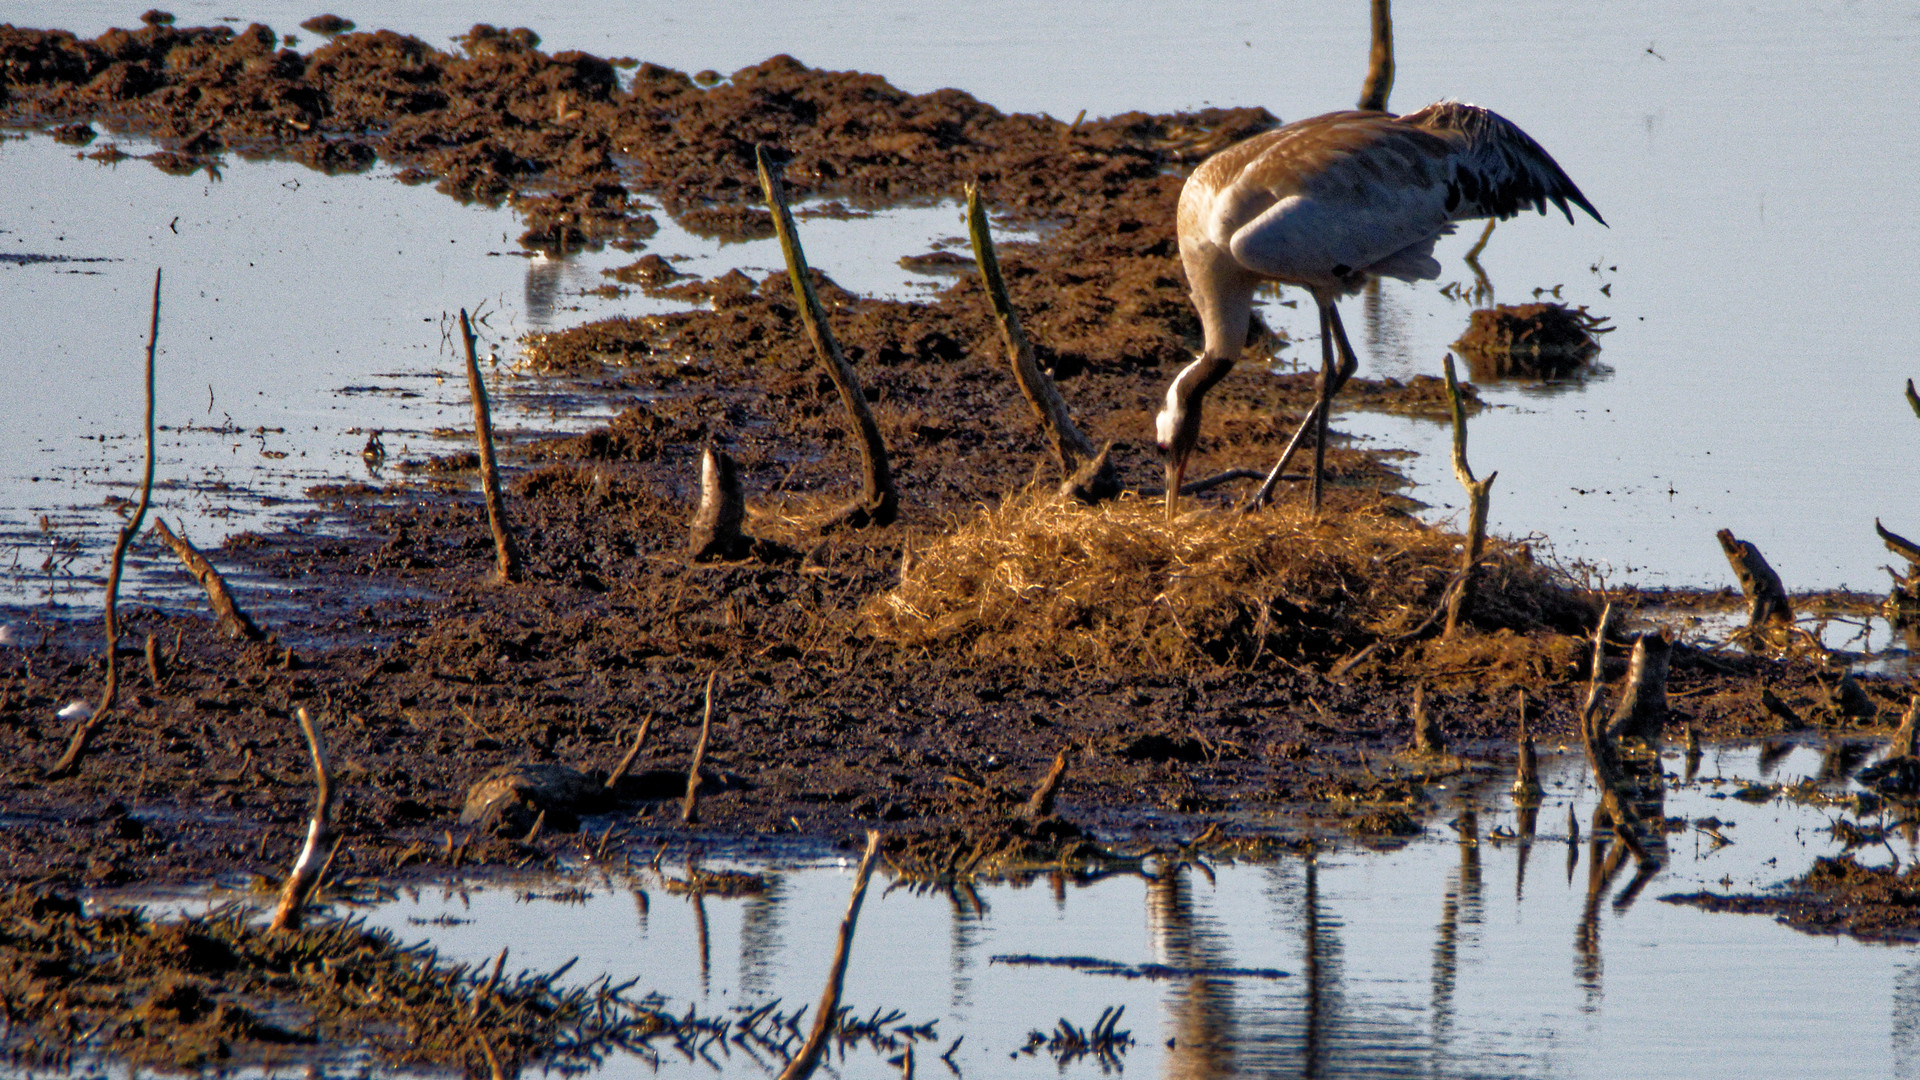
1531	340
1041	581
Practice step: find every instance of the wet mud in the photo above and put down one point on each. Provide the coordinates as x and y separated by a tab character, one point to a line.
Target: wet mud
1837	896
915	678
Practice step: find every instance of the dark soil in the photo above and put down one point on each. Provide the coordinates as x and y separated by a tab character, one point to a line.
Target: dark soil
426	677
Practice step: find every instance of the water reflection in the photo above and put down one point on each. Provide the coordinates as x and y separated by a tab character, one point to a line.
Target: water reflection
1402	962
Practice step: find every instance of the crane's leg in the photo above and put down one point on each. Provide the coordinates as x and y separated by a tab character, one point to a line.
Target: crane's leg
1322	407
1348	365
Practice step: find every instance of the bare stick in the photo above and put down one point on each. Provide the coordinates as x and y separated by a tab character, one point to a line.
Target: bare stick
828	1012
82	736
1040	804
1373	93
306	868
1913	399
507	556
715	532
639	739
690	812
1070	447
232	619
1898	544
1478	492
1769	615
879	502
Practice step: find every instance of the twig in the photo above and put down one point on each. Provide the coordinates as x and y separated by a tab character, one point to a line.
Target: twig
879	502
232	619
808	1058
1070	447
507	555
690	811
82	736
307	868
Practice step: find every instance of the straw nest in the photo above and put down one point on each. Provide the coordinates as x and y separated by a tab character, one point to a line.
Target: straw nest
1041	581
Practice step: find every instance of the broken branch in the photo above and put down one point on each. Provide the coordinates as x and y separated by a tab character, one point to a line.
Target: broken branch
307	868
234	621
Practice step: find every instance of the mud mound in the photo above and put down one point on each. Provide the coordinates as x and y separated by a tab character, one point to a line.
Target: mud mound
1040	581
1534	340
1837	896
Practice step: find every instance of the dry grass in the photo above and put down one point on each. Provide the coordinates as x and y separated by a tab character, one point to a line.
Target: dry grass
1041	581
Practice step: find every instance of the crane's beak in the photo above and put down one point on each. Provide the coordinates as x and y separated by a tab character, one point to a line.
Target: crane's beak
1176	471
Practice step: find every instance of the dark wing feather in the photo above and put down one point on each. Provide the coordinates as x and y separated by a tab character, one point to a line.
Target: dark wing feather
1498	170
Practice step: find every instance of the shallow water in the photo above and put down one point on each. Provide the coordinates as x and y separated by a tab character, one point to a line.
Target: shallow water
1460	954
286	337
1752	162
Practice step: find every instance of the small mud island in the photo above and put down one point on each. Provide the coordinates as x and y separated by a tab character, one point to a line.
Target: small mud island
997	675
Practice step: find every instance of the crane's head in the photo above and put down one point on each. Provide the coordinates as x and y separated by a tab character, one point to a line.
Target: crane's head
1177	426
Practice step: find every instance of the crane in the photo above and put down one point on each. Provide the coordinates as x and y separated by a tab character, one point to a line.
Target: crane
1327	204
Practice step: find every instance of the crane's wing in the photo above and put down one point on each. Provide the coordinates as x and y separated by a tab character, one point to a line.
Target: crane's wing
1497	170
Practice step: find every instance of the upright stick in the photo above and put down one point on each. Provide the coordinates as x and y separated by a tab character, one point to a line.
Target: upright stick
507	556
82	736
1074	451
1478	492
1373	93
306	869
878	502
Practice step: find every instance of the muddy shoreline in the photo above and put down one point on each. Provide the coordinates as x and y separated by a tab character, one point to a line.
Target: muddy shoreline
824	725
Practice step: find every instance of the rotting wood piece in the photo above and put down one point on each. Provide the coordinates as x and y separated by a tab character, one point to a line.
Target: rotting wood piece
1642	710
1478	494
715	532
879	502
232	620
307	868
506	568
1089	473
1769	613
